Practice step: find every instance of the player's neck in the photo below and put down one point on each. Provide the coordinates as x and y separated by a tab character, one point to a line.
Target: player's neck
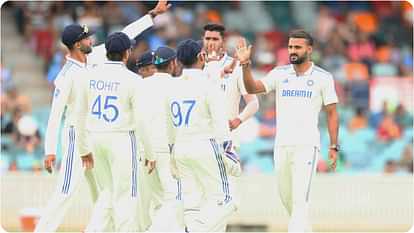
302	68
78	56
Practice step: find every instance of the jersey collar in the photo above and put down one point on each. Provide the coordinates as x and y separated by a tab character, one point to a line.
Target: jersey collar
161	75
307	72
76	62
115	63
193	73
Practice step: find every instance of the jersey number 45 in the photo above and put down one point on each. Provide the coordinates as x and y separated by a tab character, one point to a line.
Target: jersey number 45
108	111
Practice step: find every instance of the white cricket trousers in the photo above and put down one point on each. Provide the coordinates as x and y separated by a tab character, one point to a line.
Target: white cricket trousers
150	194
71	175
116	168
295	167
169	217
201	168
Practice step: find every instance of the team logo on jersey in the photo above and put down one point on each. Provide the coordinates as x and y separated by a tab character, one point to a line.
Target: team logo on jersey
285	81
310	83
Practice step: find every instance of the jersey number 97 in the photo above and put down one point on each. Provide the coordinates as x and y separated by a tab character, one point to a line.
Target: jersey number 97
177	110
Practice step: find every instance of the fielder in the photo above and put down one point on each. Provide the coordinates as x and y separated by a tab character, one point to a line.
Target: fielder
145	67
226	72
81	56
302	89
197	129
168	217
149	188
111	115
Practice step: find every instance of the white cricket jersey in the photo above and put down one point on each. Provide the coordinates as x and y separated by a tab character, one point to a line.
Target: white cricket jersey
196	108
63	97
111	99
232	84
299	100
156	108
64	84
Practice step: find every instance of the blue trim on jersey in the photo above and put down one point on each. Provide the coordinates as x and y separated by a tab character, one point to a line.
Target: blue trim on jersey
179	192
222	168
69	161
134	164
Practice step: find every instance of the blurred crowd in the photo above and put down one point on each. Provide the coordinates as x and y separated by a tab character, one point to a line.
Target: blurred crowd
356	41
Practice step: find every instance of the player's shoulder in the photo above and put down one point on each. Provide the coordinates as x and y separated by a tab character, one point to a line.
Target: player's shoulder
283	68
322	73
68	72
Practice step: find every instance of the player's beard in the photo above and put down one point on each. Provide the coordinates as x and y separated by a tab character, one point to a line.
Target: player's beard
296	59
86	49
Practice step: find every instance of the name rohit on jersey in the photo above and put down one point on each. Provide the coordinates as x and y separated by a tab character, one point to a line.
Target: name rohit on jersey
101	85
297	93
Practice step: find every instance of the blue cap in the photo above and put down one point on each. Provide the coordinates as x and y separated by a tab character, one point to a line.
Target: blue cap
145	59
164	54
188	50
74	33
117	42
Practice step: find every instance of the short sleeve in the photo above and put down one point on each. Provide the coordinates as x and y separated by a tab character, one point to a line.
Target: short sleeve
328	91
270	80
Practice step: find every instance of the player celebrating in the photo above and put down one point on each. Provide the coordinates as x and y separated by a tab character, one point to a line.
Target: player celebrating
110	107
302	88
226	72
77	39
198	124
169	216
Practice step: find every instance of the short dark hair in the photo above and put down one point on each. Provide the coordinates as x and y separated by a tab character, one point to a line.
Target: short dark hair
299	33
115	56
187	52
215	28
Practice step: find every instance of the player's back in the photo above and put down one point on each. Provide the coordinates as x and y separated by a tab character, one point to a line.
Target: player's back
110	89
195	107
154	91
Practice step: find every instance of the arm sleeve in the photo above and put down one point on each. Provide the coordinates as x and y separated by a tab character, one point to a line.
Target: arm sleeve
218	113
270	80
98	55
137	27
252	106
142	119
171	134
328	92
81	115
250	109
63	88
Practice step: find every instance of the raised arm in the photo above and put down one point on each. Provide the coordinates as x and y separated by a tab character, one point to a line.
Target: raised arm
132	30
243	54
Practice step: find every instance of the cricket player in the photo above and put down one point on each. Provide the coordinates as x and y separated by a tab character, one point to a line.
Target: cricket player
145	65
168	217
198	130
302	89
110	116
81	56
226	72
149	188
